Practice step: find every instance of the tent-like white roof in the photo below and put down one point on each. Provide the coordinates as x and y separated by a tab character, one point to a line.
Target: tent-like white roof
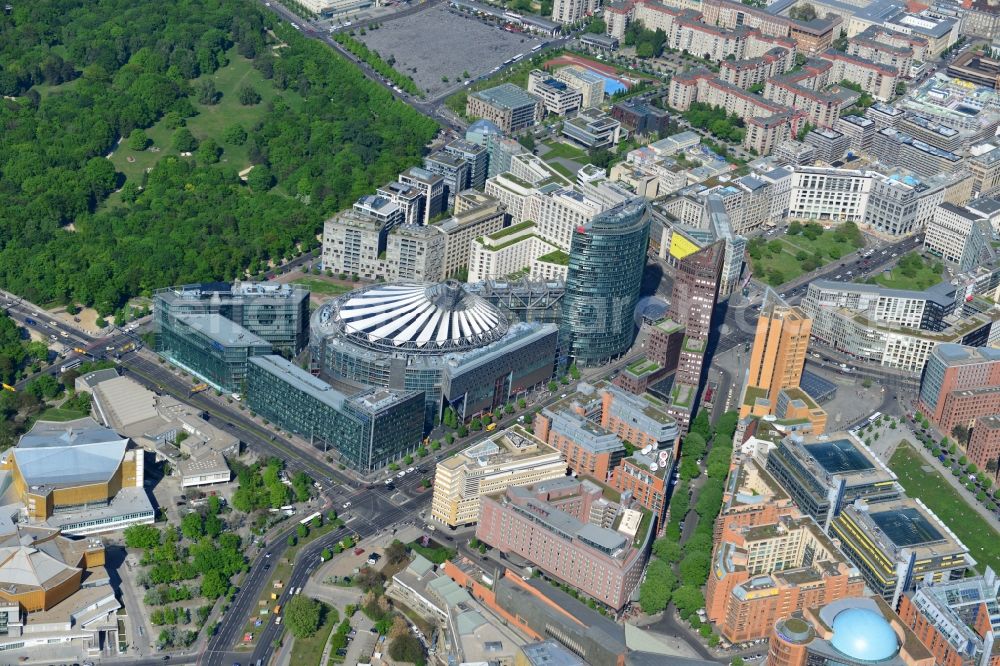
68	454
432	318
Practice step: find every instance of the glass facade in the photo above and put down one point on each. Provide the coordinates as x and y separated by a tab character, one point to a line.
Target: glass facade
606	261
368	430
210	346
277	313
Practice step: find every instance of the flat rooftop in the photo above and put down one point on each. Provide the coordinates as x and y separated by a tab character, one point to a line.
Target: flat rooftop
222	330
906	527
503	446
507	96
839	455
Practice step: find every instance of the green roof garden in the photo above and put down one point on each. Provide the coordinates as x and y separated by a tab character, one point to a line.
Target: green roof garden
655	408
796	393
693	346
557	257
753	393
668	325
682	395
507	175
643	366
513	229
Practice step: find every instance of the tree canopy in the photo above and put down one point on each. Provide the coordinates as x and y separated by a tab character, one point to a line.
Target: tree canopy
302	615
124	65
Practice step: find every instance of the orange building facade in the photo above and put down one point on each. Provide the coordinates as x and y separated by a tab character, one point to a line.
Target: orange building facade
776	362
953	619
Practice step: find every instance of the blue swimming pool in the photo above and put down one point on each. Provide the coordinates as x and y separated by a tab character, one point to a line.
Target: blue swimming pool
612	86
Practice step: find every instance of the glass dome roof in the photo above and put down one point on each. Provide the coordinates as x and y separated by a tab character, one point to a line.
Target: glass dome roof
863	634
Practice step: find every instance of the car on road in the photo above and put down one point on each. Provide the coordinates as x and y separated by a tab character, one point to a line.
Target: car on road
347	505
30	322
409	470
53	324
401	474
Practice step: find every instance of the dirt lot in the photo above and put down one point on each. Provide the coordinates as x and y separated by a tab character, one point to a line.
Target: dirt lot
472	46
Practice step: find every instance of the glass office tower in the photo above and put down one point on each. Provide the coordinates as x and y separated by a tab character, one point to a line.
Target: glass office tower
279	313
606	261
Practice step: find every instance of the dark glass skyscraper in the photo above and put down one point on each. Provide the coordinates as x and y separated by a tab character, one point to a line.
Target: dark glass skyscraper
606	260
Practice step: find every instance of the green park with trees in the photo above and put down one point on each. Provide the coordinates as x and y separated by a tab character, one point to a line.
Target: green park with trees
912	271
679	567
79	78
804	248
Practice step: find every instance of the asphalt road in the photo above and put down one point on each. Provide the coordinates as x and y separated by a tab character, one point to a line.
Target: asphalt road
375	512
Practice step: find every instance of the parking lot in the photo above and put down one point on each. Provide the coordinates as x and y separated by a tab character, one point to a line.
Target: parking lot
414	45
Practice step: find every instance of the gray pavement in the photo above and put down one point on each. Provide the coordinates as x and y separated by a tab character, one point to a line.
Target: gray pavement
474	46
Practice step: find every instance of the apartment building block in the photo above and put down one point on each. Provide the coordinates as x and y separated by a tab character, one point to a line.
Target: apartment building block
433	199
955	233
960	384
876	79
509	107
506	458
569	530
589	449
769	570
811	37
571	11
507	252
588	84
557	97
984	444
476	156
410	199
454	170
830	144
476	215
558	213
859	130
985	170
872	45
957	621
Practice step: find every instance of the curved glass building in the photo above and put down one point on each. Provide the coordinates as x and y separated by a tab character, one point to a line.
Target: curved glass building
606	260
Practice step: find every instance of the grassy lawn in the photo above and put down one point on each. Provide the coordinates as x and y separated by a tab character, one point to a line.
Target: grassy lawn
44	89
308	651
782	259
323	286
826	243
934	491
59	414
560	149
562	169
912	272
211	121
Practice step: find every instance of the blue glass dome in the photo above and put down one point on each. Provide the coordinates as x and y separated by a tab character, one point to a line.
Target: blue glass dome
864	635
